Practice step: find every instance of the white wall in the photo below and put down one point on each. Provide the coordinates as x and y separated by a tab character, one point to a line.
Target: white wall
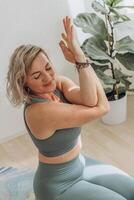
36	22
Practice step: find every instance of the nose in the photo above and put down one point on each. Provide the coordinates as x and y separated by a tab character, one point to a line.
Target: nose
47	77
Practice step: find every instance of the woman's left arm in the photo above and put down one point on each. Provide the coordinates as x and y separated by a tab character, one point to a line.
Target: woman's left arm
86	93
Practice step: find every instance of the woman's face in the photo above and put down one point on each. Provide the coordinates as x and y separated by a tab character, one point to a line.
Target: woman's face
41	77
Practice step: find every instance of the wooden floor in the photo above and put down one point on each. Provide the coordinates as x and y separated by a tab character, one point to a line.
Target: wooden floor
111	144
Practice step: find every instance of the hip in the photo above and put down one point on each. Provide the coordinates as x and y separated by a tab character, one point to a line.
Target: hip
51	180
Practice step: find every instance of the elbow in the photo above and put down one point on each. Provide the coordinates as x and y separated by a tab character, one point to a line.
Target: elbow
95	103
89	101
92	104
106	109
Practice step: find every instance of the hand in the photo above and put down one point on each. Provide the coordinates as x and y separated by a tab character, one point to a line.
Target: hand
69	44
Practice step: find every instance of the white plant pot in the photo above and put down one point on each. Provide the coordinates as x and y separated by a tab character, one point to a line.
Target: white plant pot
117	113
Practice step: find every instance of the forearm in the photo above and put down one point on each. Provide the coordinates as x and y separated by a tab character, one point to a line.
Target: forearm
91	90
87	82
102	99
88	89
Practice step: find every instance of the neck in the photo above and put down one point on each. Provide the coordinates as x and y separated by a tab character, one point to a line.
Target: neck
51	96
43	95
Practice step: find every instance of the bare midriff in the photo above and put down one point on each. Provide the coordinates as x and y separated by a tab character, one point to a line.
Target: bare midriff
62	158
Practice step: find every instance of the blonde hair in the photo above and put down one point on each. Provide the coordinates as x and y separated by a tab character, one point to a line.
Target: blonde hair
19	65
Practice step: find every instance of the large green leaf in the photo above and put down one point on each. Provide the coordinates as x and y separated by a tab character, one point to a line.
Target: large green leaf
127	60
98	7
113	2
101	68
125	45
91	23
116	20
96	48
117	17
107	80
119	75
101	62
108	2
116	2
121	7
126	82
95	62
96	41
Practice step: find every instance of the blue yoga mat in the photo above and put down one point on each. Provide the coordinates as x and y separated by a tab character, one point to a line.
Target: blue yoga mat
16	184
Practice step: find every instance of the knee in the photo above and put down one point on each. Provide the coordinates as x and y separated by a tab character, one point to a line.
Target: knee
130	194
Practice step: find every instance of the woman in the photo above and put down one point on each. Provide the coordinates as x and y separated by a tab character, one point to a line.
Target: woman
55	109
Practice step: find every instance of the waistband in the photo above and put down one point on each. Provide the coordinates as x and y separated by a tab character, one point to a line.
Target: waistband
77	163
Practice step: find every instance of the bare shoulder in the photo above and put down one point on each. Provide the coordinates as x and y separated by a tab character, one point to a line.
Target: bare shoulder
70	90
65	81
37	120
59	82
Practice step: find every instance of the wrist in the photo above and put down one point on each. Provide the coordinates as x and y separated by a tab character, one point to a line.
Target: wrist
80	65
80	58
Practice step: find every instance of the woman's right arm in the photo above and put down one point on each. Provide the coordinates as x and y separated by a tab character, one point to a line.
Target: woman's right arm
49	116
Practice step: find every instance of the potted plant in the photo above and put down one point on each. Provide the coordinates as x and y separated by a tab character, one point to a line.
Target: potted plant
109	55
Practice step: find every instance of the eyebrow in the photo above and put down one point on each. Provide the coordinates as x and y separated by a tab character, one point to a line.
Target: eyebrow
39	71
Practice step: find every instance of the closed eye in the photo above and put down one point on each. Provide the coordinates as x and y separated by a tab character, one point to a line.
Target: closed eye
48	66
37	77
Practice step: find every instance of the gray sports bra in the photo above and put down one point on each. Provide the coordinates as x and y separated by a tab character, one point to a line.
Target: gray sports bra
61	141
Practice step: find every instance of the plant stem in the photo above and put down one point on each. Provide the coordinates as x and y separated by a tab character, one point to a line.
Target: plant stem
111	44
111	49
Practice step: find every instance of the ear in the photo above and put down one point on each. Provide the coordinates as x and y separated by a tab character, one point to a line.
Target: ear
26	88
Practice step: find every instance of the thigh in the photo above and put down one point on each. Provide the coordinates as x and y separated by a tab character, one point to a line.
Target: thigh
84	190
110	177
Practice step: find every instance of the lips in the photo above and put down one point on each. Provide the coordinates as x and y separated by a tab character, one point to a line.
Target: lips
49	83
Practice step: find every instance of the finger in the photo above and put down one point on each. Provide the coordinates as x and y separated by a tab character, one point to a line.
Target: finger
65	24
64	37
62	43
68	24
63	46
73	33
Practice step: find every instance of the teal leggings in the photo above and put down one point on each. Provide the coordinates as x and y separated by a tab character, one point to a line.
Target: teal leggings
82	179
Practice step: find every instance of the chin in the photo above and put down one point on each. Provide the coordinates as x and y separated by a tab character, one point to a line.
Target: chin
51	87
